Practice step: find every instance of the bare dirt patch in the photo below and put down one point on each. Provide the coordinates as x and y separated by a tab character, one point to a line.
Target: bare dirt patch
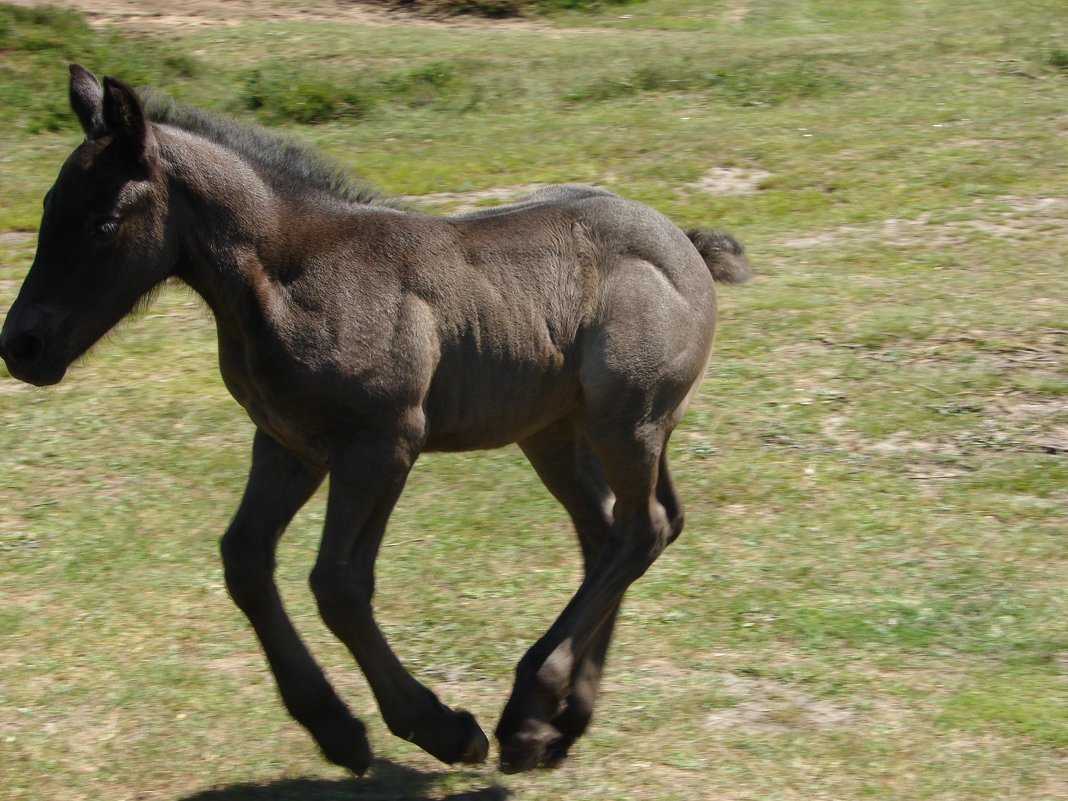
737	13
835	427
1030	422
1010	417
1024	217
749	702
16	237
1043	350
1021	422
461	202
156	16
730	181
768	704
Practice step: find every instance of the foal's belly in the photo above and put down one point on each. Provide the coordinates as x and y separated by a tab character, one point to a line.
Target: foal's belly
477	411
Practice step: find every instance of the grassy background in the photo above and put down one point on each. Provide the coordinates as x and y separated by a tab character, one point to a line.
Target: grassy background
870	597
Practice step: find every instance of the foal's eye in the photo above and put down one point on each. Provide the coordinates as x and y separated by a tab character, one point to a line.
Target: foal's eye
105	230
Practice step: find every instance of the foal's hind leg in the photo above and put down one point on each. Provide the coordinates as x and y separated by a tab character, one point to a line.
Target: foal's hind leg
570	470
668	496
279	484
640	530
575	717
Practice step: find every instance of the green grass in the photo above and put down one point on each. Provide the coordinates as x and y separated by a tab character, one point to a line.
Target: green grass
869	599
38	40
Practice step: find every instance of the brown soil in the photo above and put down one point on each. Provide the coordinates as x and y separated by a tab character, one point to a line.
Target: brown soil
155	15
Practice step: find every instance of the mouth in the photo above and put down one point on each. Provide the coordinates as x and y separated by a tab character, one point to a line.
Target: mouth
39	376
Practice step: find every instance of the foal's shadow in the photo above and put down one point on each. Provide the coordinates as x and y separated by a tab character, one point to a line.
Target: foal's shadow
388	780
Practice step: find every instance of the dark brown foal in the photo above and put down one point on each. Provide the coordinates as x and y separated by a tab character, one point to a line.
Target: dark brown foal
357	336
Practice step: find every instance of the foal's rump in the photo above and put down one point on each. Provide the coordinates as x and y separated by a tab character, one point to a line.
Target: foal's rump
649	345
722	253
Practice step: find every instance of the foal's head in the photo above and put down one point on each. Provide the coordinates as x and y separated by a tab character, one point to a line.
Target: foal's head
104	240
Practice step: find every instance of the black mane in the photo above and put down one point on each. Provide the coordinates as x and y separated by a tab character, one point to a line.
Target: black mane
283	162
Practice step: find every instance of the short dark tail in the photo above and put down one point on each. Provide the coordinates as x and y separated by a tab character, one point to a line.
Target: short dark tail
724	255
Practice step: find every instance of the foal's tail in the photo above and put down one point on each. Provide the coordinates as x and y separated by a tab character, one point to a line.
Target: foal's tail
724	255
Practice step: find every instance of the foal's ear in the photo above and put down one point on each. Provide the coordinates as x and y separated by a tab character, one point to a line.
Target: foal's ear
125	120
87	100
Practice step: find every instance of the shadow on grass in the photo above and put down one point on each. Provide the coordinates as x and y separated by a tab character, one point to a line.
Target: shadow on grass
387	780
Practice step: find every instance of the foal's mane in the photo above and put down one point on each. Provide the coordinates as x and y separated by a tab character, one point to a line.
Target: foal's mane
287	164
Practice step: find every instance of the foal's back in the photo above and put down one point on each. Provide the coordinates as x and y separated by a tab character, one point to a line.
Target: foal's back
555	301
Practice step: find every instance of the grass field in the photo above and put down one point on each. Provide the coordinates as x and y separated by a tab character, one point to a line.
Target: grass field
871	596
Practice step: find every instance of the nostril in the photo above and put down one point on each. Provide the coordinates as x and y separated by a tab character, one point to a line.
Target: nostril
24	348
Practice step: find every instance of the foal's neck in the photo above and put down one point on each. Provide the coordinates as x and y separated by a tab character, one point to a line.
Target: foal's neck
232	224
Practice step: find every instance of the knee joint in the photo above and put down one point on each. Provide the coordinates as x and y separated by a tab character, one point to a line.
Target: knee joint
247	569
337	591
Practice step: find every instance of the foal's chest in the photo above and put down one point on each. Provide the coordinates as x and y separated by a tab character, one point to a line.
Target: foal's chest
275	398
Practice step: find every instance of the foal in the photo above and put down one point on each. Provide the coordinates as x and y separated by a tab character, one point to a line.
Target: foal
356	336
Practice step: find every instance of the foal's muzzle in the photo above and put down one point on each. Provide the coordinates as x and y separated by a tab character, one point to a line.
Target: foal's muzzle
27	345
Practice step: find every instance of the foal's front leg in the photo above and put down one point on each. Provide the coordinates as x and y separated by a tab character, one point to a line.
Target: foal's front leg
365	481
279	484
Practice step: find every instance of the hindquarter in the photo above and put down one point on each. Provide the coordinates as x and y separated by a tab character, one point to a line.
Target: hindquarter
651	341
580	303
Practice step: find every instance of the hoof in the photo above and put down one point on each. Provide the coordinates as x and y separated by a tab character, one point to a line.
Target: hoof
557	752
535	741
477	748
458	738
349	748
